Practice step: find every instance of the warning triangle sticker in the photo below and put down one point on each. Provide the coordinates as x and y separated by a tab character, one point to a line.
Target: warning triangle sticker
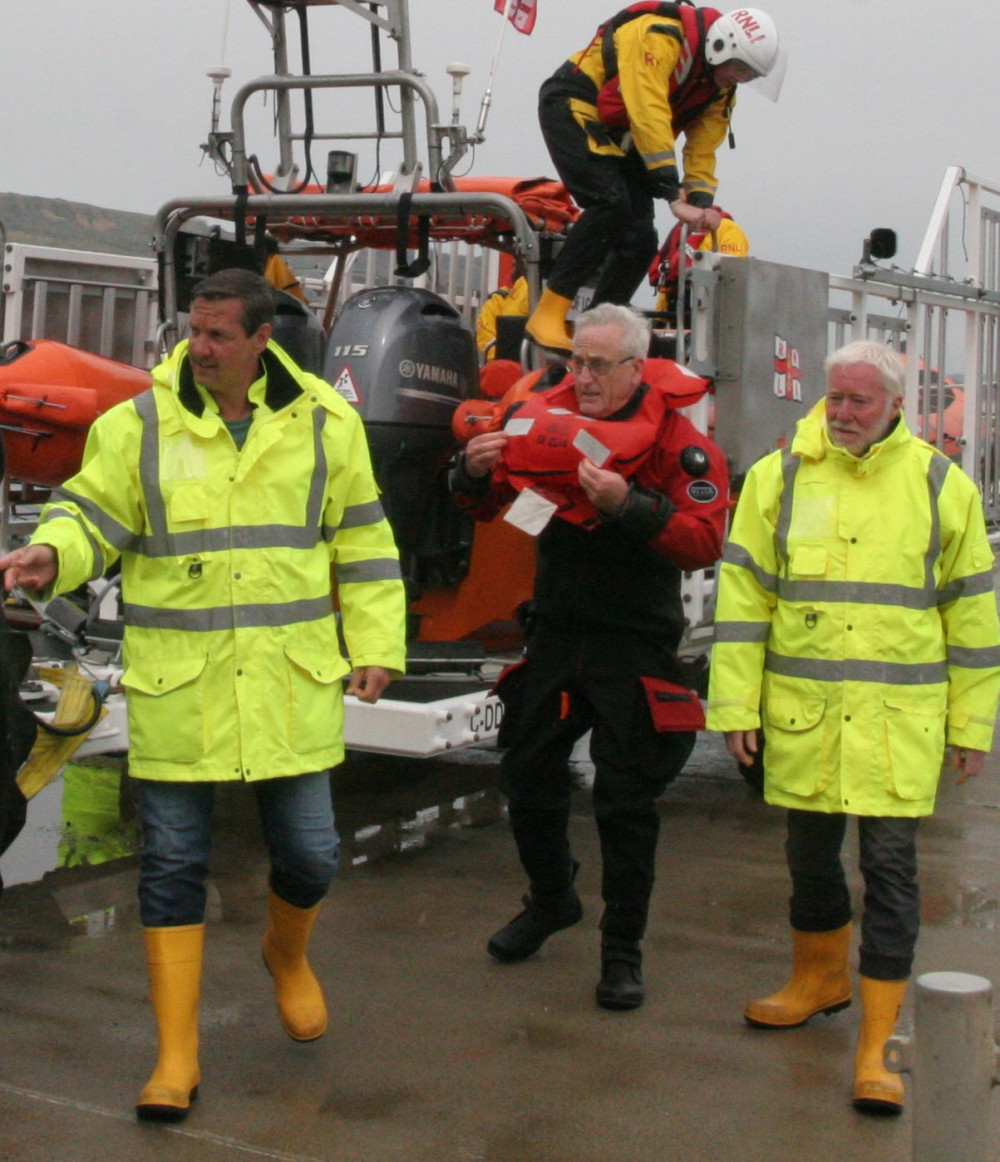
345	386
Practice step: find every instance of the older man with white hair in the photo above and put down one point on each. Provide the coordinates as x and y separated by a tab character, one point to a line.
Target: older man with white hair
856	626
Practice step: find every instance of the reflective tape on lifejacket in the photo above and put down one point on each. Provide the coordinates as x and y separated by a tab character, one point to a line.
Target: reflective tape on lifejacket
857	670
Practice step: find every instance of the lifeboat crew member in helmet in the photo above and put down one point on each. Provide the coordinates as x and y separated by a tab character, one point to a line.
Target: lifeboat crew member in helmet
611	116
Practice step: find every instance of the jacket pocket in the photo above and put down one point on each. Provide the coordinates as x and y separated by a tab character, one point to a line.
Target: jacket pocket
165	715
795	738
315	697
914	738
808	561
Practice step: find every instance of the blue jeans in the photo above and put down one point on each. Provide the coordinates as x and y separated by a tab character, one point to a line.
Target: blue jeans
296	817
821	900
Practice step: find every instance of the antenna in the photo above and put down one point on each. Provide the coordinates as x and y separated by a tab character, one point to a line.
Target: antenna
457	70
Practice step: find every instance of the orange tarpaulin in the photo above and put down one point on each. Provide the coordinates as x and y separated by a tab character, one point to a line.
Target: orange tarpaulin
545	202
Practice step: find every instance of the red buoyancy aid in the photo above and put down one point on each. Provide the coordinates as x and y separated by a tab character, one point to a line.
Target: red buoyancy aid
692	85
665	269
548	437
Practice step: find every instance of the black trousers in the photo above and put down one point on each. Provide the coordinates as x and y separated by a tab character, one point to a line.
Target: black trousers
616	233
821	900
572	683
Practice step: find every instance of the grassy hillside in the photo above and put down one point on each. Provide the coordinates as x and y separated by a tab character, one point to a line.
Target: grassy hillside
55	222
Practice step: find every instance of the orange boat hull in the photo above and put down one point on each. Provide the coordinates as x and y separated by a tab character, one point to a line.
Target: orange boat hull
50	394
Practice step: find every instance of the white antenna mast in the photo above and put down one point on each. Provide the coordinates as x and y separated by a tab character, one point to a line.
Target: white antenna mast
480	134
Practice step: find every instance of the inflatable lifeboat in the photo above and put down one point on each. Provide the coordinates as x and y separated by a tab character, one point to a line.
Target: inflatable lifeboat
50	394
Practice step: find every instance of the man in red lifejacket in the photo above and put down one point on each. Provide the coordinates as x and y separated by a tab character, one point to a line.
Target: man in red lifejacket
611	116
665	269
636	494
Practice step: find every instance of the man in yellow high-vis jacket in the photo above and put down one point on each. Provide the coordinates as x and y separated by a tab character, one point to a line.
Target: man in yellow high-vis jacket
856	624
239	497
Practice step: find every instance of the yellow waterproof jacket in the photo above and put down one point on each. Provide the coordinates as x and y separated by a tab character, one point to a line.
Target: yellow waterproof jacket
230	559
856	617
504	301
653	58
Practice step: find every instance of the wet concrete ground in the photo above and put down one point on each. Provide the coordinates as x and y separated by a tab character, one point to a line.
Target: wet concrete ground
434	1051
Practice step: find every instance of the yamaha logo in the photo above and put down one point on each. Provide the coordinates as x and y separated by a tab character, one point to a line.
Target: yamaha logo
429	373
365	303
702	491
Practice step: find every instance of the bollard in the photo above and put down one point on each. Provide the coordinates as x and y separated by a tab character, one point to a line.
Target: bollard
952	1059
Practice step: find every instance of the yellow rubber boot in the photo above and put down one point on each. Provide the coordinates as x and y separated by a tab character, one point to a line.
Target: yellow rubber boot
876	1090
820	982
300	999
547	323
173	957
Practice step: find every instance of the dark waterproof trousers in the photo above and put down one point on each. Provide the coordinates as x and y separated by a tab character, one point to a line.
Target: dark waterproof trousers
572	683
616	233
821	899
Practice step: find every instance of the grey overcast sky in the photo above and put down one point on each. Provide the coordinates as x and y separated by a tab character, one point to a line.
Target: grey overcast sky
107	102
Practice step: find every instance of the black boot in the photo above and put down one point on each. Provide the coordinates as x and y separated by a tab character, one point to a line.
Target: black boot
529	930
620	986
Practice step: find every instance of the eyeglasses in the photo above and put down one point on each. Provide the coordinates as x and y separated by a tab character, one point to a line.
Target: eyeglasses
598	368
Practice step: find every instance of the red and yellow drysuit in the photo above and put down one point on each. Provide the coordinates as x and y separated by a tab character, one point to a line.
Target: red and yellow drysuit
611	116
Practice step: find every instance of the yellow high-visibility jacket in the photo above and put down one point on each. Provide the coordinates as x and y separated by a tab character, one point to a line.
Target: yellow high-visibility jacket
230	563
856	619
504	301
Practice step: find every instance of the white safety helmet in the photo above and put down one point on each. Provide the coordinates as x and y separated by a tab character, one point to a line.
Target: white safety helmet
745	34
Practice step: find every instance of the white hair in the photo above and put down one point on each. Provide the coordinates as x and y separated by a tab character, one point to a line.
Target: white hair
635	328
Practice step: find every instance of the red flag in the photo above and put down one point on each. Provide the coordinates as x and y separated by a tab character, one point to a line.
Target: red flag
522	13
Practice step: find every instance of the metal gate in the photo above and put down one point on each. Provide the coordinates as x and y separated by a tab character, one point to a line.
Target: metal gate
944	316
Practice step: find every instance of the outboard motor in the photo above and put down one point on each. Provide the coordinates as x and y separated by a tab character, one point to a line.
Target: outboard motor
404	358
298	331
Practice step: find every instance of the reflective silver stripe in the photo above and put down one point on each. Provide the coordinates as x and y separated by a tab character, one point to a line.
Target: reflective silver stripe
374	569
223	539
227	617
974	657
734	554
857	592
937	469
789	467
96	552
668	157
857	670
158	541
356	516
317	486
972	586
868	592
742	631
114	533
149	466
